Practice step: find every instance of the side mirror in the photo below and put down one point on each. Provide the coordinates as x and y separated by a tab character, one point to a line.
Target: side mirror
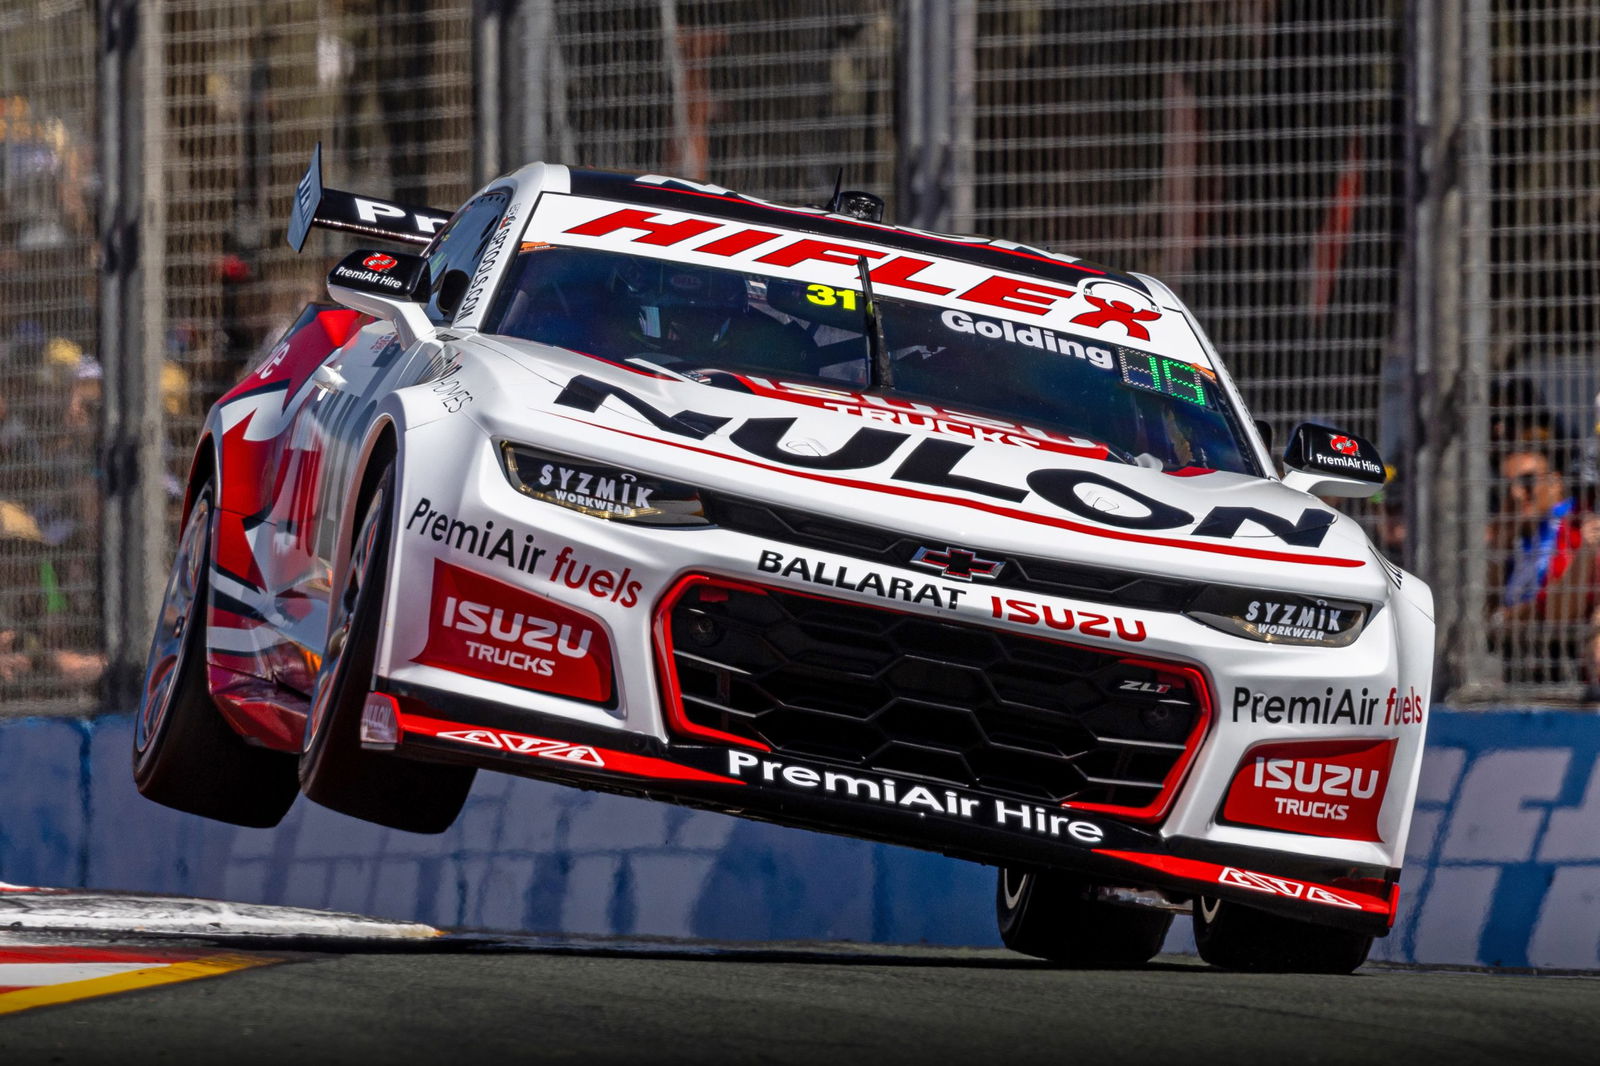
1328	462
386	285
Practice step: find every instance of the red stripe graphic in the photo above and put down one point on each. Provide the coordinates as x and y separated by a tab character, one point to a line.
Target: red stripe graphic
575	756
73	953
1349	895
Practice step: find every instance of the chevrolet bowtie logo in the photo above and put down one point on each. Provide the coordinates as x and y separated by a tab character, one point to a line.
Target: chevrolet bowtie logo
957	563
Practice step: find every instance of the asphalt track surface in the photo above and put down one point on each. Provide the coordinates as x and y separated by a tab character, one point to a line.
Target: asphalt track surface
469	1000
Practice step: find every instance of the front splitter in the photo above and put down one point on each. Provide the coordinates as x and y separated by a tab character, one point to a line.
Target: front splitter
952	820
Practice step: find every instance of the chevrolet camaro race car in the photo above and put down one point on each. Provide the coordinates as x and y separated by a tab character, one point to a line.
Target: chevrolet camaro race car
638	484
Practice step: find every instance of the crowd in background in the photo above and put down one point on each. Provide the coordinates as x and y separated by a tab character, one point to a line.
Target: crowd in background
1544	611
50	495
1260	158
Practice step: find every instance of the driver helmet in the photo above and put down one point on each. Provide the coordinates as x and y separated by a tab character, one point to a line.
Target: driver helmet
678	307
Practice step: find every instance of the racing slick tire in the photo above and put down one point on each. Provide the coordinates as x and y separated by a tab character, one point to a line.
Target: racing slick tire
335	770
1055	917
1232	936
185	754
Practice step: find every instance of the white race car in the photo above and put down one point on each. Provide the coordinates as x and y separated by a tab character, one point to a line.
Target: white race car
638	484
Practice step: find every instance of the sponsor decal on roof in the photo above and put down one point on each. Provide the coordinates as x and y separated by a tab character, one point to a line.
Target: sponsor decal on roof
1099	306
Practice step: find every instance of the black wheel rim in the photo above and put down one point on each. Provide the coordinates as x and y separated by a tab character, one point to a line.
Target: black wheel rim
179	606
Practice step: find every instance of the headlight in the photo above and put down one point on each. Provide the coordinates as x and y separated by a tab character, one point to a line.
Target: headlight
1279	617
600	491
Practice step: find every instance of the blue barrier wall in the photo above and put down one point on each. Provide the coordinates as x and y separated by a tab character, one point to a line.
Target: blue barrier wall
1503	869
1503	865
524	855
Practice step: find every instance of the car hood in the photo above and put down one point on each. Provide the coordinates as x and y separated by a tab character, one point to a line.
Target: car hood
956	480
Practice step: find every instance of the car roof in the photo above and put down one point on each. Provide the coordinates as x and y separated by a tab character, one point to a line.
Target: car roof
678	194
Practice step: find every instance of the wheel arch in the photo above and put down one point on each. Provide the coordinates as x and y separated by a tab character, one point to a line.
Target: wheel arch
203	465
380	445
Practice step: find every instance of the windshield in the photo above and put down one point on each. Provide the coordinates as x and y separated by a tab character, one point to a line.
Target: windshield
1141	407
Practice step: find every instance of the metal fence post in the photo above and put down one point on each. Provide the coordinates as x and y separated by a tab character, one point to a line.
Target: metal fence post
1457	394
532	87
1479	670
150	552
1413	342
133	534
491	77
1446	502
934	167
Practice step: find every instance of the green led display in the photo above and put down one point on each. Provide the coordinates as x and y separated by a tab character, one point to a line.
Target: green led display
1169	377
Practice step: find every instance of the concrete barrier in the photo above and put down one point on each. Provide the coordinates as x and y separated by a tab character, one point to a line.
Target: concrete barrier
1504	868
1503	865
524	855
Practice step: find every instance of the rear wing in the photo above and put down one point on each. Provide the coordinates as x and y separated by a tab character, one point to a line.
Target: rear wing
316	206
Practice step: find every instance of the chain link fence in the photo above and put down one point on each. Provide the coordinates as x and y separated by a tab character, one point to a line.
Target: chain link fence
1382	210
247	90
1533	348
1246	154
51	631
769	99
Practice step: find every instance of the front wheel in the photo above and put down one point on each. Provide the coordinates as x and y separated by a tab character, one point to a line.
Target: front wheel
185	756
1052	916
335	770
1233	936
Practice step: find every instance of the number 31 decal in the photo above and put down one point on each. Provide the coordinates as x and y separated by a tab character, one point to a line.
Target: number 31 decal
827	296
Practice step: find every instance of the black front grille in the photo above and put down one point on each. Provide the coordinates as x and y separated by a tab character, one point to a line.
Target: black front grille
944	702
892	548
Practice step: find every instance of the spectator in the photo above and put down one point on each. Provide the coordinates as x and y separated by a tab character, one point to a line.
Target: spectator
50	614
1547	591
19	538
70	523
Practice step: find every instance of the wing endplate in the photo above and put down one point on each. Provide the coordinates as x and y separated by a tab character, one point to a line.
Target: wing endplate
319	207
